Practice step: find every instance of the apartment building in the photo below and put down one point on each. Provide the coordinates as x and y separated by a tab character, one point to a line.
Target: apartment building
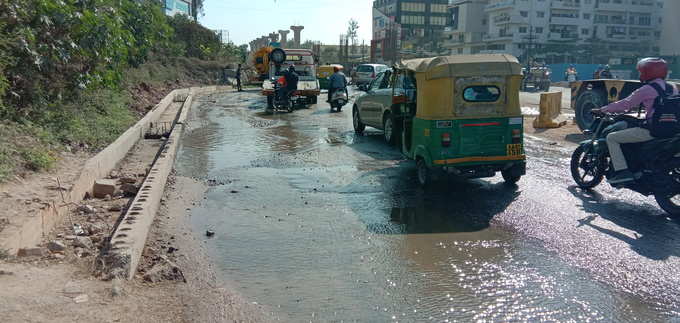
557	30
408	28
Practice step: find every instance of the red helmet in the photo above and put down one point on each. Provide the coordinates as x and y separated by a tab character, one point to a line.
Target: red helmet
652	68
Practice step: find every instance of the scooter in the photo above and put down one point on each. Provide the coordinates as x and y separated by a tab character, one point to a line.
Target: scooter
339	99
655	164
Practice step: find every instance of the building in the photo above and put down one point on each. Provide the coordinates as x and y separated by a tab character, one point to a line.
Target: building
173	7
586	31
408	28
670	42
465	33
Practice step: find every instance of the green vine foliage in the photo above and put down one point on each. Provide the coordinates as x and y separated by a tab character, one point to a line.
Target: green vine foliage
56	50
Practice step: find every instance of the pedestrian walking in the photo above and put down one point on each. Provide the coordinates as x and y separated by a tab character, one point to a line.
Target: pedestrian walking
238	78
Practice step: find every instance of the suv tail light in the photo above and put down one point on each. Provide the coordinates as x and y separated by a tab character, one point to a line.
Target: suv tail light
373	75
398	99
446	139
516	136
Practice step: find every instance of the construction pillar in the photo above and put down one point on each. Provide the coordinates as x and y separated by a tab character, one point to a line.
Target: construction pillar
284	37
297	30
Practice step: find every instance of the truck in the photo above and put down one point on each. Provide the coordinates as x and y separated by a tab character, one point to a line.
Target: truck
305	66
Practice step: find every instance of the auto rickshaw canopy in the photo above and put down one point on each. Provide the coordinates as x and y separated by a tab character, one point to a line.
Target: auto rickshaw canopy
327	70
443	84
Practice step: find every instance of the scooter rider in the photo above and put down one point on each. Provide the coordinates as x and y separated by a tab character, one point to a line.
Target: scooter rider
338	81
652	71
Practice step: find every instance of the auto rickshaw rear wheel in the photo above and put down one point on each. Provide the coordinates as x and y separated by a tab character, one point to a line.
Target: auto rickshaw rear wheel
359	127
509	177
424	173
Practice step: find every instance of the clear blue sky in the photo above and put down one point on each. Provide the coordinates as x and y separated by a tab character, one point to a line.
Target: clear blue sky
324	20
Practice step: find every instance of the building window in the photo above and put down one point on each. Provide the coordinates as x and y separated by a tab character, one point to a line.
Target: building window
522	30
586	16
645	21
413	20
438	21
413	7
540	14
585	32
524	13
538	30
438	8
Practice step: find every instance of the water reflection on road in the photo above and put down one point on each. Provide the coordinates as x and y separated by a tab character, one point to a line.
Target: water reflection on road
321	225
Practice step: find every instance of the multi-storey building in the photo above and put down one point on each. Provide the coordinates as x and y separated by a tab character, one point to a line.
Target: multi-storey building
557	30
173	7
408	28
670	41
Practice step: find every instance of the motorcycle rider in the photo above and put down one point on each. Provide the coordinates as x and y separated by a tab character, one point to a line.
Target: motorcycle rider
291	81
338	82
652	71
606	73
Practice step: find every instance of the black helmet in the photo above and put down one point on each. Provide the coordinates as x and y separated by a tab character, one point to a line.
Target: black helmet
291	68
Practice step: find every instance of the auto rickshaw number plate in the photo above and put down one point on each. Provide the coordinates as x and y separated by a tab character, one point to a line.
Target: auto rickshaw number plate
515	150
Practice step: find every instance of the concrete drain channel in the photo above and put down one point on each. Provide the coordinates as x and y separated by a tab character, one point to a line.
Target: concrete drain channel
127	242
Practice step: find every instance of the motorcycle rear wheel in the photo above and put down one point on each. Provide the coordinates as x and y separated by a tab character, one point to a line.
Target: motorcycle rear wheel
670	201
587	169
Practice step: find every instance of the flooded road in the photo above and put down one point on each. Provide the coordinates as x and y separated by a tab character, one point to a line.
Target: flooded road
320	225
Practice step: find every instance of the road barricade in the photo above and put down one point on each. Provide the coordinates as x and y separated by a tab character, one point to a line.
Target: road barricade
550	114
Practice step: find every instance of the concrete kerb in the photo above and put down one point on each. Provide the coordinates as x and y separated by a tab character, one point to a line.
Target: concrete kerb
32	230
128	240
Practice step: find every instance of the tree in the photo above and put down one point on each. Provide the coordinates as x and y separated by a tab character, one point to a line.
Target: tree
352	28
329	55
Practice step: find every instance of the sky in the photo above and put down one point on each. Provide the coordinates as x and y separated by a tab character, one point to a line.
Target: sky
324	20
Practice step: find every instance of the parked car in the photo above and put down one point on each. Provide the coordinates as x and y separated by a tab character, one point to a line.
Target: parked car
373	108
365	73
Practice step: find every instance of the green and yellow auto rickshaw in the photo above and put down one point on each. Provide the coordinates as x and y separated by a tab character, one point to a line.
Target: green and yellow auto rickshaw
460	115
323	73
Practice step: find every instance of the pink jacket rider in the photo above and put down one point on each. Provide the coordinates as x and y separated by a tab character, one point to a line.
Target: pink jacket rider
644	95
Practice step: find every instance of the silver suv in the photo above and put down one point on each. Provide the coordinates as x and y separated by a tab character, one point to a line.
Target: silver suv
365	73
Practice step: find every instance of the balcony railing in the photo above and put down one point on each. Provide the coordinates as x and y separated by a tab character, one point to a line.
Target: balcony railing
500	5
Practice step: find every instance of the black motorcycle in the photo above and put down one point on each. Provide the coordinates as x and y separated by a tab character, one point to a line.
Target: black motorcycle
281	101
655	164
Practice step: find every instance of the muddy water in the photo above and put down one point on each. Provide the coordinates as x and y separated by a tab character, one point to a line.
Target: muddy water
321	225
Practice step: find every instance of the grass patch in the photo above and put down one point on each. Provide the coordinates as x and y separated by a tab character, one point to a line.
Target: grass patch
38	160
4	254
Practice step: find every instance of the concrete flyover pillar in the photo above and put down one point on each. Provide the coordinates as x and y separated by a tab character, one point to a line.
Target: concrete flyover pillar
284	37
274	37
297	30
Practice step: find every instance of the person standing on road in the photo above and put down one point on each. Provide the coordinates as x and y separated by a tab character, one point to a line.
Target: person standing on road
238	78
338	81
653	72
606	73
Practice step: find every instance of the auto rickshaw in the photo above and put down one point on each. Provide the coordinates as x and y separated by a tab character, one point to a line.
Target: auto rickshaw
462	117
323	73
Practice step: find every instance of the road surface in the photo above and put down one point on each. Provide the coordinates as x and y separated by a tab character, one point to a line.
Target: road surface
319	224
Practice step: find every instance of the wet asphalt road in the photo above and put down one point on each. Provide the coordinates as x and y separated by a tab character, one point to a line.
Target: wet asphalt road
318	224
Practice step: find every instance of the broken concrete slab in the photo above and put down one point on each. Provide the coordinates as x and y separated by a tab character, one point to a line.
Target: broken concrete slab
32	252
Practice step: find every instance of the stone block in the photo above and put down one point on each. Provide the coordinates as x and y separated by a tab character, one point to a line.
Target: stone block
104	187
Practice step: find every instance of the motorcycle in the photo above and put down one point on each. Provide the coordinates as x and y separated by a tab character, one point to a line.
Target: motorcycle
281	101
655	164
339	99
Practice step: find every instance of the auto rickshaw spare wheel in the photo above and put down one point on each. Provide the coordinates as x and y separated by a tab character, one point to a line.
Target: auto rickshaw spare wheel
586	102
